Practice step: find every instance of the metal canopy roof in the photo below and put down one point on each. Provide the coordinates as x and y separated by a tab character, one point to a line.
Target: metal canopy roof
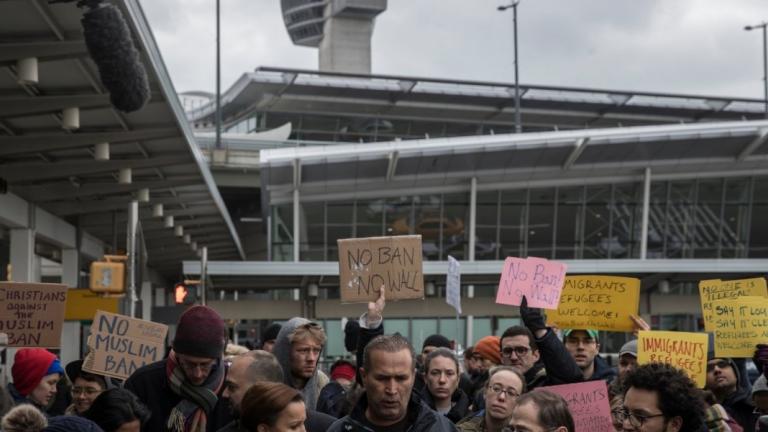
607	155
56	170
289	92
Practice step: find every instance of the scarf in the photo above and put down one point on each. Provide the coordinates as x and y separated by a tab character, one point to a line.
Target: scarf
197	402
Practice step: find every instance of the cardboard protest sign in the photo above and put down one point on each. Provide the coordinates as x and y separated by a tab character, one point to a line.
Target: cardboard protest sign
588	403
365	264
686	351
119	344
453	284
715	289
740	324
32	313
597	302
539	280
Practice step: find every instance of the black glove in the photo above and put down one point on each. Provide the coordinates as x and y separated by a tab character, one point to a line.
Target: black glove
532	317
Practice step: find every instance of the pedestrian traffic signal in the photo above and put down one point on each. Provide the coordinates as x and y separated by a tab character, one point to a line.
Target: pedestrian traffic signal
184	294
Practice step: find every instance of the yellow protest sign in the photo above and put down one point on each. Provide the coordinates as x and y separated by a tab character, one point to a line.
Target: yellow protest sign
715	289
686	351
740	324
597	302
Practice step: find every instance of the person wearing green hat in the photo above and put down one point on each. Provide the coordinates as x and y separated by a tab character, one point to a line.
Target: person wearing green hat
583	345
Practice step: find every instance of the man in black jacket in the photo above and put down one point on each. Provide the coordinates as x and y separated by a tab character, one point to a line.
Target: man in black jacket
183	391
389	403
536	352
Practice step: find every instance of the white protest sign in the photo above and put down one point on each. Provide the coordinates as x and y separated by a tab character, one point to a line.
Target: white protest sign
453	284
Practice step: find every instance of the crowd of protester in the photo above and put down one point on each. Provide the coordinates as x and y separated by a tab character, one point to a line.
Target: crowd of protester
499	384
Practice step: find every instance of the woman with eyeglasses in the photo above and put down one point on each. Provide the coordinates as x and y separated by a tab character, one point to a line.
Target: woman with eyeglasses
442	392
501	393
86	387
273	407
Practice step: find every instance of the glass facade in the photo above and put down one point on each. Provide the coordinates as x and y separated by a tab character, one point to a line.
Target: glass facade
708	218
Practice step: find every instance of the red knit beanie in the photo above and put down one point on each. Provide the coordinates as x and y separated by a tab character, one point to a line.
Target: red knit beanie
200	333
489	348
29	367
343	370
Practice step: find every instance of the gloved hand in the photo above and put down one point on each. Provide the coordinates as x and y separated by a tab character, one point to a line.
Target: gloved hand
761	358
532	317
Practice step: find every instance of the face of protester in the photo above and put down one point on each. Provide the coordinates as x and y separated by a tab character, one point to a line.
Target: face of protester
582	347
501	395
644	414
304	356
525	418
627	363
516	352
196	369
442	378
131	426
268	346
290	419
388	386
45	391
84	392
237	382
721	378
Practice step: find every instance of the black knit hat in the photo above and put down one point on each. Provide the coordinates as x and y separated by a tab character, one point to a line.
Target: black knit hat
436	340
271	332
200	333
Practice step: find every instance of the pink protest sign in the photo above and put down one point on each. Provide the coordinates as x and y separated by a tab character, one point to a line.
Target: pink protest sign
588	403
515	281
546	284
539	280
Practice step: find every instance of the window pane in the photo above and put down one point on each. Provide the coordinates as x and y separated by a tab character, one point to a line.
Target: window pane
481	327
422	329
597	241
541	222
369	218
313	232
455	215
569	220
334	345
512	223
448	329
392	326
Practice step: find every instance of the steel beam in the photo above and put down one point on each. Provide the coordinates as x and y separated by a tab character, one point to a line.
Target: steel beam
24	106
48	50
25	144
15	173
61	191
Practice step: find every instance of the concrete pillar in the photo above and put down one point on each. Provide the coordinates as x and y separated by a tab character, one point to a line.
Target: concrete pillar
159	297
146	300
470	327
645	214
70	342
70	268
23	260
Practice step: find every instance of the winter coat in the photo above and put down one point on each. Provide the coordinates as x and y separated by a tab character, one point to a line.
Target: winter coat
460	408
282	351
150	384
421	418
603	371
555	367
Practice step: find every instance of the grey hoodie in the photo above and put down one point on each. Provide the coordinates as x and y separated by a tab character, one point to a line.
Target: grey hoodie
282	350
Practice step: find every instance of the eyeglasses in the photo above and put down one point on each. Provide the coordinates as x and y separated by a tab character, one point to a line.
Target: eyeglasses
203	366
721	364
498	389
636	420
88	391
519	350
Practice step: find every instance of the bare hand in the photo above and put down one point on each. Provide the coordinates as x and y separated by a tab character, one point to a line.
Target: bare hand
640	324
376	309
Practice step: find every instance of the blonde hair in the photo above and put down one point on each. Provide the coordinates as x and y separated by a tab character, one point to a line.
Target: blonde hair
24	418
308	330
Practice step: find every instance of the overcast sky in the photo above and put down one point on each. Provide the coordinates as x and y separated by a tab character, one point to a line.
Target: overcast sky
671	46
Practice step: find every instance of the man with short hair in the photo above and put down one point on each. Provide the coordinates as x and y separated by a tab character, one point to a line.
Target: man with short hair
389	402
297	348
183	391
584	347
255	366
627	363
536	352
725	382
505	385
542	411
660	398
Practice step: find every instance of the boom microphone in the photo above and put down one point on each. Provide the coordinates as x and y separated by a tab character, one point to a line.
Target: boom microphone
109	42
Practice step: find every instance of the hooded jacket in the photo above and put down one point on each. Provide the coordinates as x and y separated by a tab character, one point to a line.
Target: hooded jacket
282	350
421	418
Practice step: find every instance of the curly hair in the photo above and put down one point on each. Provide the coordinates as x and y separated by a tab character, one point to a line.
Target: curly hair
678	395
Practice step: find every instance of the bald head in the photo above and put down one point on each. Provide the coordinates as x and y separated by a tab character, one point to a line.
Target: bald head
246	370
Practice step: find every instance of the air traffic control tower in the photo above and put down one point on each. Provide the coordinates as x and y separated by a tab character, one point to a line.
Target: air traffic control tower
341	29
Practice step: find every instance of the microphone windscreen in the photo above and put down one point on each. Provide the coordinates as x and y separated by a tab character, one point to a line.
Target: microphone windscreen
109	43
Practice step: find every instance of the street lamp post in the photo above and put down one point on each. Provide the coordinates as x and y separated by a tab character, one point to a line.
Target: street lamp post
518	121
763	25
218	75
